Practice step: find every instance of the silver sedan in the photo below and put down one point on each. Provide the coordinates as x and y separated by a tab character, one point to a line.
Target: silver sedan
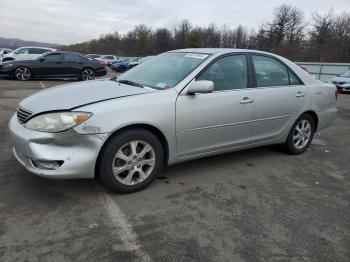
178	106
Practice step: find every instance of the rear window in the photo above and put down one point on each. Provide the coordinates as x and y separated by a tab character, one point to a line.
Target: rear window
271	72
71	57
38	50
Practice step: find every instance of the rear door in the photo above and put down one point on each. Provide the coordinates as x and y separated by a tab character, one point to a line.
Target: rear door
217	120
279	97
72	64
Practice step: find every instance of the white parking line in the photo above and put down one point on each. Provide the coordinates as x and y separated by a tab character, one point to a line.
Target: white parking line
123	228
42	84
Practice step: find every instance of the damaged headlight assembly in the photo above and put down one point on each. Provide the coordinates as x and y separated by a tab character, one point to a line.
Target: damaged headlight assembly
57	121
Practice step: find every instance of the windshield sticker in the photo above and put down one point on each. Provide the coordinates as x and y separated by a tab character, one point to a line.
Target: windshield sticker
197	56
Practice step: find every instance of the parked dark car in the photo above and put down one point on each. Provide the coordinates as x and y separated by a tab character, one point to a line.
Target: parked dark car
55	65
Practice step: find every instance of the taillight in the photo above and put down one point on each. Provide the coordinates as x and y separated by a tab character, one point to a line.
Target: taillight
336	94
102	63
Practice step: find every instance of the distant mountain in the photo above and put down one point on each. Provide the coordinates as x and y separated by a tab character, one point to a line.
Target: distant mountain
14	43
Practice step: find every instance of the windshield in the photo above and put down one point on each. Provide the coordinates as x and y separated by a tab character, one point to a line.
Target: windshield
345	74
164	71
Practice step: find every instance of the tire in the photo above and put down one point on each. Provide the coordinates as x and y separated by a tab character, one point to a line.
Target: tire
131	174
87	74
23	73
301	134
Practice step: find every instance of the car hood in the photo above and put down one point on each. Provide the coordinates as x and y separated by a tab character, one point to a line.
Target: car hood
341	79
73	95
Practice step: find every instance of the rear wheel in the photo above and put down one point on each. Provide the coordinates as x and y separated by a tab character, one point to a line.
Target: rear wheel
130	161
23	73
301	135
87	74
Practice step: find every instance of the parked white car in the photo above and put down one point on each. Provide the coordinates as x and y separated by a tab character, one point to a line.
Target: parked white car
26	53
4	51
108	59
342	81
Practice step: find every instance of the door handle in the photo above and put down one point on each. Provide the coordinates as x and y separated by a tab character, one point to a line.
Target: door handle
319	93
300	94
246	100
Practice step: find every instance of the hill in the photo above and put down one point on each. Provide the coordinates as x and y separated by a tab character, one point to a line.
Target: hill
14	43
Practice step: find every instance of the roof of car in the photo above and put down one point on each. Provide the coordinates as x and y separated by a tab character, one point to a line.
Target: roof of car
212	51
64	52
43	47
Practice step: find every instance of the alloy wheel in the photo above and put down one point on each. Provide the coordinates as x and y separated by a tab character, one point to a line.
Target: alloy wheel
88	74
133	162
302	134
22	73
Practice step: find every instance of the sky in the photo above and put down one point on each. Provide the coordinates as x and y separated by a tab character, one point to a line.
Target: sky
73	21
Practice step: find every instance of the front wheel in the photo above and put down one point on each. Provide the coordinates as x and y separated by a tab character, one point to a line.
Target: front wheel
301	135
130	161
23	73
87	74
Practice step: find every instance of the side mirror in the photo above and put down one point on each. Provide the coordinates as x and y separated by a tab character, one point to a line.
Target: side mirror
17	52
201	87
42	59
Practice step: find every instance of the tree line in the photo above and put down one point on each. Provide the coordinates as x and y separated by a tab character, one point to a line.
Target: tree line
325	38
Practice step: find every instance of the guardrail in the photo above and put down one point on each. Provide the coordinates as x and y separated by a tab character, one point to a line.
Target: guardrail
325	71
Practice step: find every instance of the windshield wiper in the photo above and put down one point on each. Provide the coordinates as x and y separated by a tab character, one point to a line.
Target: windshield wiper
129	82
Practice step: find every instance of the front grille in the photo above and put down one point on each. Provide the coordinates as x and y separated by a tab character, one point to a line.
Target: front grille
338	83
23	114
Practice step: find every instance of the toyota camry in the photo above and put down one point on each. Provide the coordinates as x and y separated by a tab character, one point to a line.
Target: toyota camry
180	105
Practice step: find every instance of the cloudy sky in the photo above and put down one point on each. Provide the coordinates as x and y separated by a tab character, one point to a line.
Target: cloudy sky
72	21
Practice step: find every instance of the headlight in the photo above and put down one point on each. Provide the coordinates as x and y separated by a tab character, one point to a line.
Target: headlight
57	122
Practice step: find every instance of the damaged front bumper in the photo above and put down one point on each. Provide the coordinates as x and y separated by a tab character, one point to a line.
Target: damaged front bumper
56	155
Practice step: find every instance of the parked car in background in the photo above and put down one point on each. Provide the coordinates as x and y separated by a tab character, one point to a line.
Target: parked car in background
93	56
4	51
122	65
342	82
123	130
54	65
139	61
108	59
26	53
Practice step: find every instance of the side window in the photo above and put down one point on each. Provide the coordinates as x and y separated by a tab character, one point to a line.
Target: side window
71	57
293	80
37	51
23	51
53	58
83	58
227	73
269	72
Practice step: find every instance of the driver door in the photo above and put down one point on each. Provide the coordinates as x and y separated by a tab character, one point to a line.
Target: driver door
219	120
51	66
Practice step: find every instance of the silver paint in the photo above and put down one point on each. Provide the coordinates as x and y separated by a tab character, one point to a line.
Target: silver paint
193	125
